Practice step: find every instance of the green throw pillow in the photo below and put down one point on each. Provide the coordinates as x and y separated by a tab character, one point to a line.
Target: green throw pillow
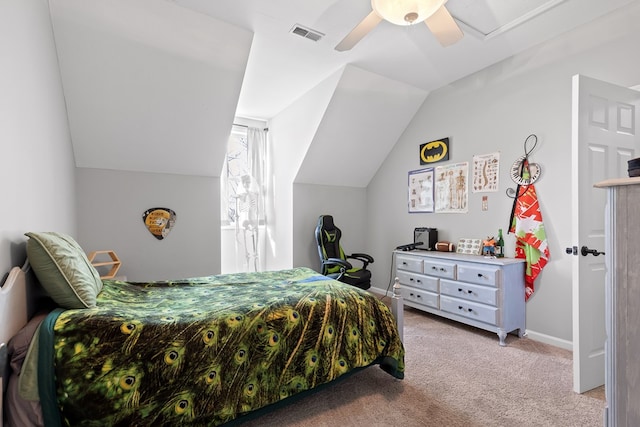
63	269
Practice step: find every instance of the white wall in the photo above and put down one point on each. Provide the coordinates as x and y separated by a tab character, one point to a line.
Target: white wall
495	110
291	132
37	186
151	75
151	89
361	121
347	205
110	208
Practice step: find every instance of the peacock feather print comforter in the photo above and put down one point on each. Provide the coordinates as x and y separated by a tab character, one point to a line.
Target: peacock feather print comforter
206	351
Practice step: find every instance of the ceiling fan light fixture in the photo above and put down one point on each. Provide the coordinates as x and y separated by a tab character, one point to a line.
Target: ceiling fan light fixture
406	12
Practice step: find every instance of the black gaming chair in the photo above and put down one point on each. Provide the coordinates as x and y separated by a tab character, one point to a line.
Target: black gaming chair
334	262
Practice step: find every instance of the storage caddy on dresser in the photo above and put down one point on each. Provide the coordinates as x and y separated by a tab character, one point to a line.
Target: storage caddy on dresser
487	293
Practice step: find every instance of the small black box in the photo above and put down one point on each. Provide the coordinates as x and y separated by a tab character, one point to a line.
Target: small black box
428	237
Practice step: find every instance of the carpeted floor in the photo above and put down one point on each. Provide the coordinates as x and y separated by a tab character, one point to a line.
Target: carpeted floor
455	376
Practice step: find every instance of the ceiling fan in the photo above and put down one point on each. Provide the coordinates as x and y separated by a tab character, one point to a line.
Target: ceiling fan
407	12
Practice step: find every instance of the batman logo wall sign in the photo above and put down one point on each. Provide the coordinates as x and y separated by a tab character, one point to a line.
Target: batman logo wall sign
434	151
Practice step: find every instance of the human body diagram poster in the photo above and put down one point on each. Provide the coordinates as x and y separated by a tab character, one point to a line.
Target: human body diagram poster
486	169
451	188
443	189
421	190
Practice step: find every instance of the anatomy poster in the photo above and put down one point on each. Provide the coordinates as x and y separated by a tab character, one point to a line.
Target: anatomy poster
451	188
486	170
421	190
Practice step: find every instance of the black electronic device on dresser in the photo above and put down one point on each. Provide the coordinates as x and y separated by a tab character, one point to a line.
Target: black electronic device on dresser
427	238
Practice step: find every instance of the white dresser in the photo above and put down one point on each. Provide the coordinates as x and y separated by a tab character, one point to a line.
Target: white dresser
484	292
622	302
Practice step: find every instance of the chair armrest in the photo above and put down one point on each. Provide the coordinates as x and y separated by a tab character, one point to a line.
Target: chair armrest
364	258
346	265
369	258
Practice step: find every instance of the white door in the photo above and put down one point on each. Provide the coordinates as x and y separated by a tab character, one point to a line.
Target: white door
604	138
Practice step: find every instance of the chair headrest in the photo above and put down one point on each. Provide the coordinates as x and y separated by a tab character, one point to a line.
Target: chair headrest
327	222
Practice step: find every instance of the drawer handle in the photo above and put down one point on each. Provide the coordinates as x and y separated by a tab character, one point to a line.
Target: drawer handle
462	290
480	275
411	279
462	308
443	269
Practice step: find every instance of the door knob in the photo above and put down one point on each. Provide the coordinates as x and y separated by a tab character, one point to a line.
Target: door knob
586	251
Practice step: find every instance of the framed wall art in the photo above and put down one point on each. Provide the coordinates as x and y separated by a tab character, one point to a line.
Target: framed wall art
420	192
451	188
486	172
434	151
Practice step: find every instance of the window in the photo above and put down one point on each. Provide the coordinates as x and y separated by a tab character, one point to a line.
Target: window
236	165
242	194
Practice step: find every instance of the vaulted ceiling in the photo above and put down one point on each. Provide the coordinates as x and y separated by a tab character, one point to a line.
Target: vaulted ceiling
283	65
154	85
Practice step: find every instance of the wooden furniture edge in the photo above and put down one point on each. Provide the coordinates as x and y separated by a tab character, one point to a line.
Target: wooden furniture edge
615	182
115	262
14	314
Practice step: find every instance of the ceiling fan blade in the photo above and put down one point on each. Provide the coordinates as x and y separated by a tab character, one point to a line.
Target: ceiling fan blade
361	30
444	27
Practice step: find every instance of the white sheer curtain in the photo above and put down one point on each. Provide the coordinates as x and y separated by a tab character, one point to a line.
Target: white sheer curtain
251	222
245	185
257	165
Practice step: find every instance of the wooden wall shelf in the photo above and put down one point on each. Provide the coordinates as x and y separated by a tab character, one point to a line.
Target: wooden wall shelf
99	259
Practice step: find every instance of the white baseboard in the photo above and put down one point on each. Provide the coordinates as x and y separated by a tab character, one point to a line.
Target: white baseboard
547	339
533	335
379	291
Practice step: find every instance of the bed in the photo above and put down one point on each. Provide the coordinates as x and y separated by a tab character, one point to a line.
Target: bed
200	351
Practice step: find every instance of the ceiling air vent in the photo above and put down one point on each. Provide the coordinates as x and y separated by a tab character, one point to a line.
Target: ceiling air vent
307	33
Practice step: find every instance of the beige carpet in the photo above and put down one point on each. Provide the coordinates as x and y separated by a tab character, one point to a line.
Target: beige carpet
455	376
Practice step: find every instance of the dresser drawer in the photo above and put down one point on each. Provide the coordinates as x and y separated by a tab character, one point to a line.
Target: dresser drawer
409	263
420	296
440	269
481	274
471	310
418	281
482	294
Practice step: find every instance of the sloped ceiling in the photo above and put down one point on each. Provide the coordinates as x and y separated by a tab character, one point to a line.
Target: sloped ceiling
154	85
283	66
149	86
365	116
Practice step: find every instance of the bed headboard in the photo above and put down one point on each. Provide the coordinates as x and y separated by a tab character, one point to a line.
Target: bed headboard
15	307
13	315
20	296
18	302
